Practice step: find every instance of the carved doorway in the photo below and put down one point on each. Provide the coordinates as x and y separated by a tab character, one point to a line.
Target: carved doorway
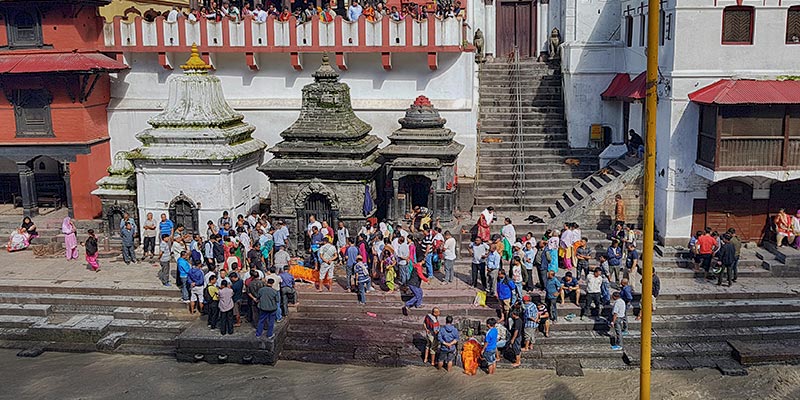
417	190
516	26
183	211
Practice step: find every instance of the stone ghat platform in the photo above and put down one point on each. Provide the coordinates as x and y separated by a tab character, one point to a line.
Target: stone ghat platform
200	343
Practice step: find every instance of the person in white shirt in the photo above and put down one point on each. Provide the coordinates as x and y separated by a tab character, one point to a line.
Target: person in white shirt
402	252
449	257
618	322
341	235
192	16
508	231
261	14
594	284
252	219
173	14
312	222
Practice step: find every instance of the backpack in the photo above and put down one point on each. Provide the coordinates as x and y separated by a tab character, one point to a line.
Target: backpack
206	295
219	252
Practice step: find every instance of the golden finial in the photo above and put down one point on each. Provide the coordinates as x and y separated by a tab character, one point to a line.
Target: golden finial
195	63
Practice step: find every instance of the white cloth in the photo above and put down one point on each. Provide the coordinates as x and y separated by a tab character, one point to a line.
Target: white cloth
261	16
172	16
567	238
796	225
450	249
509	233
402	251
313	224
487	215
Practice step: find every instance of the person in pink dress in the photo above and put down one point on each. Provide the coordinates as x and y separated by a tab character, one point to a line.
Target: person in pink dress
70	238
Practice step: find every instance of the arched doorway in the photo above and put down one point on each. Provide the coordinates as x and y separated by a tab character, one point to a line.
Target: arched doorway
183	211
114	218
318	205
51	189
9	182
417	190
784	195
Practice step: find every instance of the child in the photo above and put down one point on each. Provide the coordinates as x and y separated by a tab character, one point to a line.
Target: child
362	278
225	309
91	251
211	297
516	276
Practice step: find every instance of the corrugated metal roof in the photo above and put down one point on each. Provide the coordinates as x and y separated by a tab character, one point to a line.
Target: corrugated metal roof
729	91
58	62
625	89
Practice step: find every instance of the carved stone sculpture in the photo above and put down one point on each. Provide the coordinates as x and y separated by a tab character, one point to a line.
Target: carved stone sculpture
477	40
554	44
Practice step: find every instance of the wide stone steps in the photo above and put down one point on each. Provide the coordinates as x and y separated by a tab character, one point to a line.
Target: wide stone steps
531	152
525	144
499	177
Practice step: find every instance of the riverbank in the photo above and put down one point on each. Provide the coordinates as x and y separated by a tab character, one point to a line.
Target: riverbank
103	376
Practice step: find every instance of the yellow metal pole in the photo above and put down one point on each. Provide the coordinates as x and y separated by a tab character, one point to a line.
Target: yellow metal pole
649	198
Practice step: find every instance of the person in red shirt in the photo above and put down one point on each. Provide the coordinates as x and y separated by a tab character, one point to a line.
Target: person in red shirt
706	245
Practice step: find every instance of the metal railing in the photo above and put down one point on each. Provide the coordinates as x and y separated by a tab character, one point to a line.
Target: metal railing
518	163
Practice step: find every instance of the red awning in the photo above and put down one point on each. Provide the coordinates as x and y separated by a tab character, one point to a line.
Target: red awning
617	87
58	62
729	91
622	88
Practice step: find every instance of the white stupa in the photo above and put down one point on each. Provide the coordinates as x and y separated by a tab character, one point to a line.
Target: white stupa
199	157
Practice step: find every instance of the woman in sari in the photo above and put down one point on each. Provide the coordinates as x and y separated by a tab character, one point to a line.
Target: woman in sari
783	223
30	228
70	238
389	263
369	13
552	248
484	220
19	240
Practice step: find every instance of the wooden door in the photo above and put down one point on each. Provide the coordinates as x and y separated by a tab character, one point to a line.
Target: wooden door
730	204
516	26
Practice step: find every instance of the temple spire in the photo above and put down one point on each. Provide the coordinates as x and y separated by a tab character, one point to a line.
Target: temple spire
195	64
326	73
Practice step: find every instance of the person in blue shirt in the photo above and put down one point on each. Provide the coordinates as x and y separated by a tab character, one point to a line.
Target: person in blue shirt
197	281
448	339
490	345
492	266
354	12
553	289
505	290
166	226
529	253
570	288
183	274
614	254
351	255
626	294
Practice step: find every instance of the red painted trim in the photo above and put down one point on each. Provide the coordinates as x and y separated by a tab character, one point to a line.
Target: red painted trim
203	33
338	38
248	31
386	60
137	27
295	56
752	11
226	32
432	31
271	32
121	58
433	61
340	61
362	31
292	32
159	22
163	61
181	30
409	32
251	61
385	39
118	32
315	32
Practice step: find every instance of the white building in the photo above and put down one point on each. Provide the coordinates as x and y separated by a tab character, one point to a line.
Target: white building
728	151
198	158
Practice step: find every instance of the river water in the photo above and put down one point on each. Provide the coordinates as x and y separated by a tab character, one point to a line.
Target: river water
103	376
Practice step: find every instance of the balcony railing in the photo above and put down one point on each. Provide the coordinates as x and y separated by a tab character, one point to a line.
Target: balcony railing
248	36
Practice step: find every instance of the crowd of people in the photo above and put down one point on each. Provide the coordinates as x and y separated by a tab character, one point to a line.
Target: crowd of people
305	11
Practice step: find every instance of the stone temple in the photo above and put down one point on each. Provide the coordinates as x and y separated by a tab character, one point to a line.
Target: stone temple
420	163
327	162
199	157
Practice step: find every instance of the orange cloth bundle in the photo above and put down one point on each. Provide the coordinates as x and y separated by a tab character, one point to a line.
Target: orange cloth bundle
305	274
471	355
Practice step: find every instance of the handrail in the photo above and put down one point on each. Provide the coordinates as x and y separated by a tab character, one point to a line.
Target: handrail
519	150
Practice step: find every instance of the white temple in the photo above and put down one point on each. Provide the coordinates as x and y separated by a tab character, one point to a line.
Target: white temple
199	158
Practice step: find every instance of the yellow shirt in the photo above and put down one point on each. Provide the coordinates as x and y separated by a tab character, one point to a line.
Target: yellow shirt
213	291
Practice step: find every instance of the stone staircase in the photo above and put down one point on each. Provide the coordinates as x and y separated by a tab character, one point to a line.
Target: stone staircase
591	201
83	319
531	174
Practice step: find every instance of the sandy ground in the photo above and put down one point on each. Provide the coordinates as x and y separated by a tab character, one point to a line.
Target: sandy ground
101	376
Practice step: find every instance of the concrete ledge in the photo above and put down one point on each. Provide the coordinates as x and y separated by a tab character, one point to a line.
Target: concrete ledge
199	343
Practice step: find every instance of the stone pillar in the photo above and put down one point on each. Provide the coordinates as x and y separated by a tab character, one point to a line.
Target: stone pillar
394	212
68	190
542	26
27	185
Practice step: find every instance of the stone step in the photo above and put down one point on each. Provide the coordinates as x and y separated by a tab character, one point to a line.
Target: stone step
150	338
764	352
31	310
146	350
92	300
20	321
457	310
524	145
533	154
524	136
153	314
87	290
559	129
141	326
13	334
490	109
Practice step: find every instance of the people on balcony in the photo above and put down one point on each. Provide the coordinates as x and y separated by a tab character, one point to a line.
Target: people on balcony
355	11
327	15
